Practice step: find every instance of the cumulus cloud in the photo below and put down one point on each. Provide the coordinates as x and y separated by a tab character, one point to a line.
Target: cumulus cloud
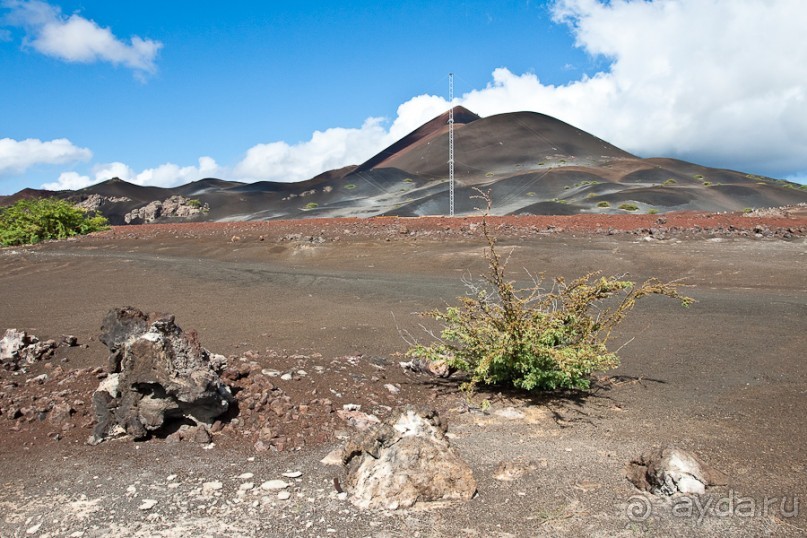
17	156
76	39
165	175
326	150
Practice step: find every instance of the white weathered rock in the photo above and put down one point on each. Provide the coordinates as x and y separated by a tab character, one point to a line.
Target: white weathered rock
670	470
283	495
404	460
292	474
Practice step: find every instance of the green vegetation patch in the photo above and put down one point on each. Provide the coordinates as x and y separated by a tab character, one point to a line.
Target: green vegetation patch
32	221
350	186
540	338
311	205
628	206
603	204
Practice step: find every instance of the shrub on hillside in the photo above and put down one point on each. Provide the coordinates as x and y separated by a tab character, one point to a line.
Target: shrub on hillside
535	339
32	221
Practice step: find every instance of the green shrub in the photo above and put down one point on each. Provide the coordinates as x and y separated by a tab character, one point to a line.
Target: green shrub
311	205
531	194
748	210
489	174
409	180
603	204
670	181
707	183
195	203
627	206
532	339
653	211
32	221
350	186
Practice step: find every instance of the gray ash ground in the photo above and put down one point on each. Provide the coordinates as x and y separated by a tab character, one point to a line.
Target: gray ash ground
724	379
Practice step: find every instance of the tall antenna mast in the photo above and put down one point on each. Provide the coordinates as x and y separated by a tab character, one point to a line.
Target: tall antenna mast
451	145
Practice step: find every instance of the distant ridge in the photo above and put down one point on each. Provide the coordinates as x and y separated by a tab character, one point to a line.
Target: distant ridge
530	162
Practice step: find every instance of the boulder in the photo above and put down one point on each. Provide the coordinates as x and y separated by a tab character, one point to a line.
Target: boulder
404	460
159	375
670	470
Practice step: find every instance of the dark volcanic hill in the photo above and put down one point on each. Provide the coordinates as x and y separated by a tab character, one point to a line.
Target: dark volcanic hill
530	162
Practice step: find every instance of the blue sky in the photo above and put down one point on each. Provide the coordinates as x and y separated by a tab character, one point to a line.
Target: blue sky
163	93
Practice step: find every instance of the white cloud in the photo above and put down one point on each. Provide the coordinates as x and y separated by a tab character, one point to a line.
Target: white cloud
76	39
326	150
165	175
17	156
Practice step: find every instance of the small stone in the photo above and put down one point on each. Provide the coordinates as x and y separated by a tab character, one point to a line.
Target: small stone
283	495
210	487
292	474
148	504
286	377
34	529
272	485
392	388
334	457
246	486
510	413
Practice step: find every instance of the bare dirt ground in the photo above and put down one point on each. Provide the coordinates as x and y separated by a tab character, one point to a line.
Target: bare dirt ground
327	301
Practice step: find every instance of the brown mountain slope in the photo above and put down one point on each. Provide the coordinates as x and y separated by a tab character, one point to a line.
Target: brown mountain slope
531	163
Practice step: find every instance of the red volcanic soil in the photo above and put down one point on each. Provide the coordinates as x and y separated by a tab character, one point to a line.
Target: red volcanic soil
688	224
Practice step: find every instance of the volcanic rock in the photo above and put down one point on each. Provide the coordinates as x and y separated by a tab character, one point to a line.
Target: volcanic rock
404	460
670	470
159	375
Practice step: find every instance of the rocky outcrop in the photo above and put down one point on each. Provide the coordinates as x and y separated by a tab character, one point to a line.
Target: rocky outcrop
670	470
404	460
173	207
94	202
159	377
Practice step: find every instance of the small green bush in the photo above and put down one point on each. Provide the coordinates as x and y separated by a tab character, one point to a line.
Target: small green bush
195	203
670	181
603	204
653	211
32	221
350	186
707	183
531	194
748	210
532	339
311	205
489	174
409	180
627	206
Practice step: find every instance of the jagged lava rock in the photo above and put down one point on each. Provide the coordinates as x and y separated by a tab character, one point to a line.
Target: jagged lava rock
158	374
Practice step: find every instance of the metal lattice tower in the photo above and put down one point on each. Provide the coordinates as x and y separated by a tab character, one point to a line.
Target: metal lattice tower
451	145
